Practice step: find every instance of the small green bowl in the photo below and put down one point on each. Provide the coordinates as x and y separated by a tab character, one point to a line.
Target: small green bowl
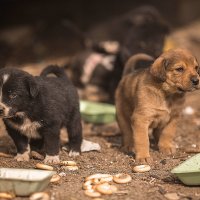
189	171
97	113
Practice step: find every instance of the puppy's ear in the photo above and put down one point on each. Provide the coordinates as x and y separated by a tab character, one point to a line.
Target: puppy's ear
32	87
158	68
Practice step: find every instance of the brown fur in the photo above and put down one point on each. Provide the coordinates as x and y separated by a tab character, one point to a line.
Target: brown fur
153	98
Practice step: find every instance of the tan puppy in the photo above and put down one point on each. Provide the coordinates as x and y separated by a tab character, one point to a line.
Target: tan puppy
152	98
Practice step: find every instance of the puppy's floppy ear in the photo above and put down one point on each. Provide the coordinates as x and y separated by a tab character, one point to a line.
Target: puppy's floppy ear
32	87
158	68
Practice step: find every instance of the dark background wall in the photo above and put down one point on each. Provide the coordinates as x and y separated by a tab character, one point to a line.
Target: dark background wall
86	13
32	30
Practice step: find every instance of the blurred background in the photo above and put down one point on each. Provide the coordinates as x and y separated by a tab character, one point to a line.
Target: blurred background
36	33
32	30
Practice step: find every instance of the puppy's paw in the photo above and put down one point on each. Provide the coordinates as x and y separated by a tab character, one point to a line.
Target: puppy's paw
147	160
73	153
22	157
52	159
167	150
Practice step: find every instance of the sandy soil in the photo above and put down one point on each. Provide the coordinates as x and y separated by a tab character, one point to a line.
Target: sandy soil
150	185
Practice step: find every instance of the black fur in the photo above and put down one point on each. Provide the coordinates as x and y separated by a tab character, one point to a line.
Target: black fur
142	31
52	102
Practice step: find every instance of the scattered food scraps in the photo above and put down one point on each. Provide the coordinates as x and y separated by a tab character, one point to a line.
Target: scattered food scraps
43	166
39	196
141	168
98	184
5	155
4	195
122	178
68	163
55	178
70	168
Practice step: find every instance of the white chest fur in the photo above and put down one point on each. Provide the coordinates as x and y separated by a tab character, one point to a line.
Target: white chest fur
28	127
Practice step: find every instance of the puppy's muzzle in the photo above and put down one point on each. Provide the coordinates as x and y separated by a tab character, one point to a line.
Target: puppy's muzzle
4	110
194	80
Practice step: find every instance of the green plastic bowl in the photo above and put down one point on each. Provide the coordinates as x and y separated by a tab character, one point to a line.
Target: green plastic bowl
98	113
24	182
189	171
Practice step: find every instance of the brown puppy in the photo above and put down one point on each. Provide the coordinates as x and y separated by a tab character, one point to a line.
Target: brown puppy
152	98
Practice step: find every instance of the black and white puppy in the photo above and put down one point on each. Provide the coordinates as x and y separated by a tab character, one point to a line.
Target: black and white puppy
34	109
98	70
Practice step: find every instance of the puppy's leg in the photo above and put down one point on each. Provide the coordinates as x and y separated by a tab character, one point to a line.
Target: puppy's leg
125	127
124	122
166	144
37	144
74	129
51	144
21	143
141	139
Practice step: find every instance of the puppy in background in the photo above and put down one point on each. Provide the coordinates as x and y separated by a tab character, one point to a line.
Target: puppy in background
34	109
98	70
152	98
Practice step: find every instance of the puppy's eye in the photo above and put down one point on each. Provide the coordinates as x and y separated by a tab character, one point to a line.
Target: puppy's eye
197	68
179	69
12	96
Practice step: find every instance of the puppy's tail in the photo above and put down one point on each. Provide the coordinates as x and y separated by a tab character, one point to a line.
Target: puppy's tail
137	62
54	69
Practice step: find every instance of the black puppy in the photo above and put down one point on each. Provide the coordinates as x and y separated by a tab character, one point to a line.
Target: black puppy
36	108
143	30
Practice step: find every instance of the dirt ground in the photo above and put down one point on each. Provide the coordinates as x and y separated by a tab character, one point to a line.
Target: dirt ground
150	185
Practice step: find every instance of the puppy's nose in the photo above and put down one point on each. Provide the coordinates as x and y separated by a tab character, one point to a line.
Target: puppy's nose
195	80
